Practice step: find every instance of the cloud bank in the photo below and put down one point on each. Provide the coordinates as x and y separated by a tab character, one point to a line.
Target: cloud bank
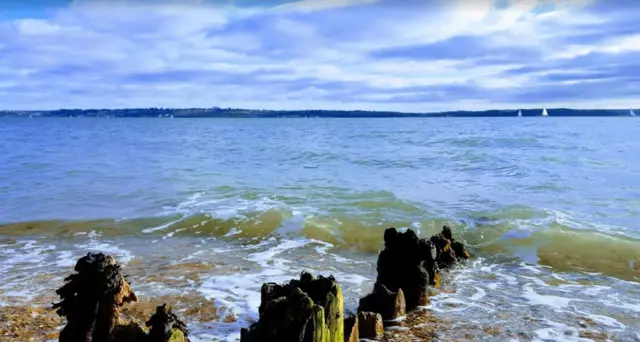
402	55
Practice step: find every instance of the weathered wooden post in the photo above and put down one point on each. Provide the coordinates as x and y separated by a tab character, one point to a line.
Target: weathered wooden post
305	310
91	299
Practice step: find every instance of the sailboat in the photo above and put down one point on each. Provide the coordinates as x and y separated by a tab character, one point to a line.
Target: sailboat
631	113
544	112
519	112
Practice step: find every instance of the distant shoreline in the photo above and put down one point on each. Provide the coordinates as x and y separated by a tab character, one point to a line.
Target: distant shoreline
252	113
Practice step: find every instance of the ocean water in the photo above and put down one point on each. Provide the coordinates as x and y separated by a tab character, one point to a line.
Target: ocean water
212	208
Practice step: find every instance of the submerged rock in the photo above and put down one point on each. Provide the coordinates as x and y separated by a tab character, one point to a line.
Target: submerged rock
305	310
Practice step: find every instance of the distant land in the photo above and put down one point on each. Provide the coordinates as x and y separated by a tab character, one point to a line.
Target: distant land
216	112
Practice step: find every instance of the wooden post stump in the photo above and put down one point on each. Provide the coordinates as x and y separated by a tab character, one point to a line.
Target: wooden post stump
408	263
351	332
91	299
305	310
370	325
166	327
390	305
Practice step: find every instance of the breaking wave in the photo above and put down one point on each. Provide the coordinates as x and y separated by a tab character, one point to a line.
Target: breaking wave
511	234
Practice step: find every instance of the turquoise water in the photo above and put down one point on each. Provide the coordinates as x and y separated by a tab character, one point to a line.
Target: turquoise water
537	199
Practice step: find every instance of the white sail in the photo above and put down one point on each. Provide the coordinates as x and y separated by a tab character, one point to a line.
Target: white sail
631	112
544	112
519	112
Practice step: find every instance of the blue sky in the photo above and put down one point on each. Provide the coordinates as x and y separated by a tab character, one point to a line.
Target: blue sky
403	55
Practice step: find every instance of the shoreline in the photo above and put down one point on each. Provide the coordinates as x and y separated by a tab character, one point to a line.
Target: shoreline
416	322
438	321
171	113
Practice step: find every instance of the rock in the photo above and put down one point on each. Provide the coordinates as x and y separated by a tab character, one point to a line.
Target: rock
390	305
309	310
408	263
166	327
91	298
370	325
351	333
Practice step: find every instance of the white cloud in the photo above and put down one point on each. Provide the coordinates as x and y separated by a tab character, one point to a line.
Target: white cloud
453	55
316	5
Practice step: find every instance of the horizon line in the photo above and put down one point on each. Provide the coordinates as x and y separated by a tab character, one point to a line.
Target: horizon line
313	109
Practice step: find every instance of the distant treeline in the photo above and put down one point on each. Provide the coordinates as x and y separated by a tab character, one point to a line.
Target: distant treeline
250	113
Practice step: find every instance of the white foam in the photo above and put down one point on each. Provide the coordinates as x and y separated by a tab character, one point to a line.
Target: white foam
123	255
554	301
161	227
262	258
480	293
172	233
553	335
31	253
624	305
560	278
233	231
511	280
558	332
65	259
398	328
604	320
530	268
351	278
595	290
238	295
535	280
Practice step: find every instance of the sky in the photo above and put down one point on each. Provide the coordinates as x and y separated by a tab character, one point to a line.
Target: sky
398	55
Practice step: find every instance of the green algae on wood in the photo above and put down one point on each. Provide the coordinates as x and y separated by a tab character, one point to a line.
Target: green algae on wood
305	310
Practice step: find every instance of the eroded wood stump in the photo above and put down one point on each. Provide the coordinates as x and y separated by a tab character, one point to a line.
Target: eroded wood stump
91	300
166	327
370	325
305	310
408	265
450	251
351	333
390	305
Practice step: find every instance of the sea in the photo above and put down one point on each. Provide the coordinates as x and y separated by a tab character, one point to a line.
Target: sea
210	209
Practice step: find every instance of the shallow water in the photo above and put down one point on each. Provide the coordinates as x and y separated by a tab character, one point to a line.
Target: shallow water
212	208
